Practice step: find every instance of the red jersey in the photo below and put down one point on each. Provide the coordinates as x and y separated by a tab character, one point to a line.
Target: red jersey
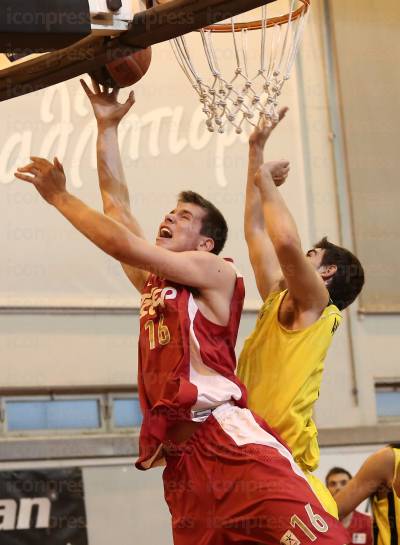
360	529
187	364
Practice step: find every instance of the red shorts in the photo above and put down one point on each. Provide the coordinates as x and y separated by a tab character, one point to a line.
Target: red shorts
234	482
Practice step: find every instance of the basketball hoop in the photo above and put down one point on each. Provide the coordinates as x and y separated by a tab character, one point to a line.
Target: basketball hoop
244	93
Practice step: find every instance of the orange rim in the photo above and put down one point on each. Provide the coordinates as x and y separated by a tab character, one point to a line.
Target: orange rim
256	25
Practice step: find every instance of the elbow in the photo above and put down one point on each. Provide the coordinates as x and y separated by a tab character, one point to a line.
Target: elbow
113	207
120	248
252	231
118	212
248	234
286	243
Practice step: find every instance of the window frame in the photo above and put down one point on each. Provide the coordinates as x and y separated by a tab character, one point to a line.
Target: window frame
111	397
382	387
6	433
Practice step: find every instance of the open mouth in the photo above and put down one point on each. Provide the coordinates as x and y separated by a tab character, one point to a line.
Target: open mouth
165	232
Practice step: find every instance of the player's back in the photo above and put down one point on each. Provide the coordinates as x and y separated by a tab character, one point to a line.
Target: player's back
282	370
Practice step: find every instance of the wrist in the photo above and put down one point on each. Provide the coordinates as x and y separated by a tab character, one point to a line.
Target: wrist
256	150
265	184
58	200
107	124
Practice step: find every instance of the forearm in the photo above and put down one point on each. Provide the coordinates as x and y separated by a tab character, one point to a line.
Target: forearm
107	234
262	254
253	215
278	220
113	187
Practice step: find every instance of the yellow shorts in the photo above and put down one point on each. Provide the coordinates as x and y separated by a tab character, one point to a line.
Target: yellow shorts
323	494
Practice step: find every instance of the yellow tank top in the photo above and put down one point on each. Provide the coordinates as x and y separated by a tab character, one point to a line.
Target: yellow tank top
282	370
325	497
386	513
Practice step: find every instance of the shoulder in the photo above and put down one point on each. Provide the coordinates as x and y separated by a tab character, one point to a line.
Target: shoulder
215	263
386	456
332	309
271	303
332	316
274	297
381	465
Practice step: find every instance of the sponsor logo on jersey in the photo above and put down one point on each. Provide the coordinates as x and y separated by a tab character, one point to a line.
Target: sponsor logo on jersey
289	539
360	538
335	326
156	298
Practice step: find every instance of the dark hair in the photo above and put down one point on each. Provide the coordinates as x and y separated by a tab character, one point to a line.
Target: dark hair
348	280
336	470
214	224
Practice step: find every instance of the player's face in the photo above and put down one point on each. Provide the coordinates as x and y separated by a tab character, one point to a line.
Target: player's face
180	230
336	482
316	255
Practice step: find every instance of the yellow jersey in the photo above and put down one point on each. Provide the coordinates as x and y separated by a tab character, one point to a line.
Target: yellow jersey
282	370
325	497
386	513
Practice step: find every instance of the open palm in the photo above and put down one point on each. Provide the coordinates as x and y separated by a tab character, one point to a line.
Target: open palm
265	127
107	109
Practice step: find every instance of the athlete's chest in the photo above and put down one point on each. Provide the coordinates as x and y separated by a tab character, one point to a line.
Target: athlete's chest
159	300
163	319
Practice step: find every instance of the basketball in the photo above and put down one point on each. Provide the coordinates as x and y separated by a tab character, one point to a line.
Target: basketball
125	71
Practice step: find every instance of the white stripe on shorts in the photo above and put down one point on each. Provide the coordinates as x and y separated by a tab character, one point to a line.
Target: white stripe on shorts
242	427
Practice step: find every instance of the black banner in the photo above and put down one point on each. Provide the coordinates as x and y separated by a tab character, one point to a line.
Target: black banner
43	507
28	26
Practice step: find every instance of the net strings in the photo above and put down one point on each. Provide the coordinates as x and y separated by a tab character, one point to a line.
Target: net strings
240	98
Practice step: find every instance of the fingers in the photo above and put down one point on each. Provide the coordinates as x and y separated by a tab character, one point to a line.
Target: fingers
130	101
282	112
28	168
58	165
265	122
86	88
96	87
24	177
40	162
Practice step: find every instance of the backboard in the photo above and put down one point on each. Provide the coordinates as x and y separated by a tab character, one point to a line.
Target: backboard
108	29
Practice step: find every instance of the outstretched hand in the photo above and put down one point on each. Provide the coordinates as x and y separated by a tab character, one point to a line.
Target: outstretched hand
278	171
264	129
48	178
107	110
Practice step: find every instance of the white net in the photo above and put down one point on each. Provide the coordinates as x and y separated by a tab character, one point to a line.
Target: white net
250	87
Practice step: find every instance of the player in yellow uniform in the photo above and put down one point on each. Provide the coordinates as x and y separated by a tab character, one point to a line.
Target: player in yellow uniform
379	479
282	361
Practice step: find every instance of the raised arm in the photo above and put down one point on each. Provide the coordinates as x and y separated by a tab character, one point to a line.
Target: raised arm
199	269
114	191
262	254
377	471
306	287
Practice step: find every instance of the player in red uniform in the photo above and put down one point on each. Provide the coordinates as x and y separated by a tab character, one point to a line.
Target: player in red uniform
359	525
228	478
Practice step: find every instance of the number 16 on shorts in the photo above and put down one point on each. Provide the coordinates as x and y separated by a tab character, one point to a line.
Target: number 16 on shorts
315	523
